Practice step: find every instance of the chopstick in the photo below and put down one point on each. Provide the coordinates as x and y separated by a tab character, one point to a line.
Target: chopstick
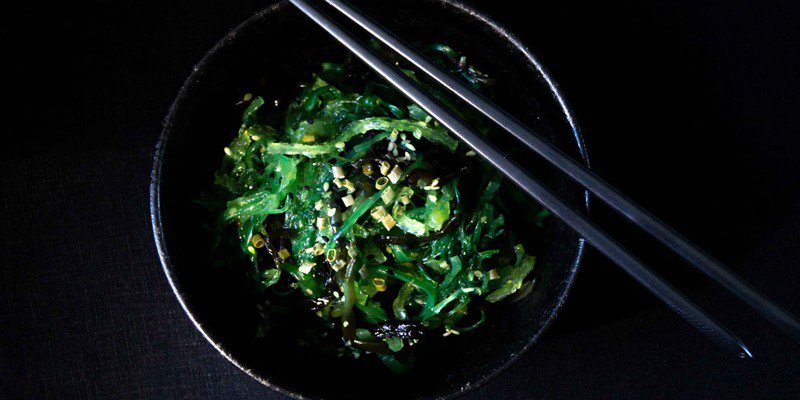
698	258
589	231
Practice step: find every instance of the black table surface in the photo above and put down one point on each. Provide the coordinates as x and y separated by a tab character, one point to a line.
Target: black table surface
693	108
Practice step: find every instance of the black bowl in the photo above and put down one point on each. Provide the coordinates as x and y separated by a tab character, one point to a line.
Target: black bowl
274	50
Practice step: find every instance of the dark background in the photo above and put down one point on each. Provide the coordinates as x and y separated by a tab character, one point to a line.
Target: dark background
692	108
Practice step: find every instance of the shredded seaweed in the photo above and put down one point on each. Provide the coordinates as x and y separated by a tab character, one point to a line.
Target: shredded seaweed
372	211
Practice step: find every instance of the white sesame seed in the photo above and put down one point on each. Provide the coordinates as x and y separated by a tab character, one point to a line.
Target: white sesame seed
228	151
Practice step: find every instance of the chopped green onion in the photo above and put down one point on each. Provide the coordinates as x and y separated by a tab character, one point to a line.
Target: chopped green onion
395	174
381	182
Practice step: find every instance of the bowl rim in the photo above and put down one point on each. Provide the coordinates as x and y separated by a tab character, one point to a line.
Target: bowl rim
183	93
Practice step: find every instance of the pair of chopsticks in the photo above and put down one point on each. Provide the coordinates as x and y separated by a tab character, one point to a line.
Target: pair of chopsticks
596	237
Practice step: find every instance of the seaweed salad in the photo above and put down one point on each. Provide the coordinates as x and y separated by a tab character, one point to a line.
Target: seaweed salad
353	205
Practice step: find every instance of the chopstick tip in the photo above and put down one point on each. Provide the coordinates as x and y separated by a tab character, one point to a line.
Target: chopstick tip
745	354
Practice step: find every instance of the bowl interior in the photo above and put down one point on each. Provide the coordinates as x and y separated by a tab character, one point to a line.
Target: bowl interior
270	54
